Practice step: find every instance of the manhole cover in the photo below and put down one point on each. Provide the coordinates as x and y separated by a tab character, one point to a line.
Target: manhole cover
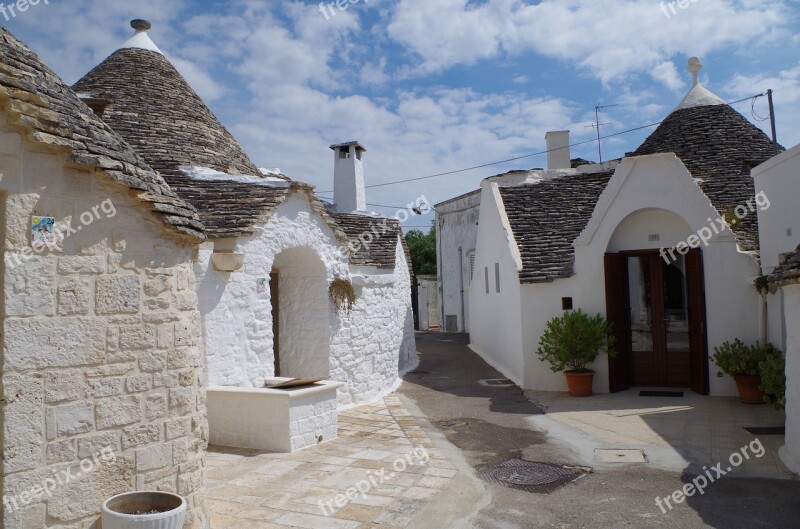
529	476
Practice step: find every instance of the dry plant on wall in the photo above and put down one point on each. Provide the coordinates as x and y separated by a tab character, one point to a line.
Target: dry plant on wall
343	294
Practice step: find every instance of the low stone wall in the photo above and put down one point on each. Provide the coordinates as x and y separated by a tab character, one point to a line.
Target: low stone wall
279	420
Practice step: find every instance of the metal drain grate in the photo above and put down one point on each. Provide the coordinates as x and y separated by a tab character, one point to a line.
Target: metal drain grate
541	478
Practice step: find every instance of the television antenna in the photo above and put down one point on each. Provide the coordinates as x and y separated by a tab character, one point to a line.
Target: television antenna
597	125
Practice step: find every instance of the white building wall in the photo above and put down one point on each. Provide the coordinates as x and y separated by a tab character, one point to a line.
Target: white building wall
661	183
102	347
375	341
496	326
779	225
540	303
367	347
457	228
237	320
790	452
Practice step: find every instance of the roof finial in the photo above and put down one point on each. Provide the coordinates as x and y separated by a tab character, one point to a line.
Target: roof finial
141	24
694	68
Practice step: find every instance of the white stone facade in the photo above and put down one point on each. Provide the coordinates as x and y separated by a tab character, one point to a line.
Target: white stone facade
102	343
365	349
647	195
778	226
790	452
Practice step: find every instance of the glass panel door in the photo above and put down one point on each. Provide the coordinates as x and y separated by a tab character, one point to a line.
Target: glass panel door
676	306
641	306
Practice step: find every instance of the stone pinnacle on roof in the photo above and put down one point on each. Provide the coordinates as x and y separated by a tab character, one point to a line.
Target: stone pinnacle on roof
694	68
699	95
141	39
141	25
719	147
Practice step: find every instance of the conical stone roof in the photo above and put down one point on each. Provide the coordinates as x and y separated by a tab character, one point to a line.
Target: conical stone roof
719	147
38	102
147	101
153	107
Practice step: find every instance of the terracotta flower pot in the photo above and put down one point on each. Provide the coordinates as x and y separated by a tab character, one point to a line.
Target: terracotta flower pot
749	391
580	383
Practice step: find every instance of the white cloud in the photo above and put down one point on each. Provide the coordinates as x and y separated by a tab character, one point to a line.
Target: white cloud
667	73
607	39
786	87
208	88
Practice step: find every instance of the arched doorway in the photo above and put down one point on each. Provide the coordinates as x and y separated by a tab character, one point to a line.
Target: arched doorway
301	312
655	300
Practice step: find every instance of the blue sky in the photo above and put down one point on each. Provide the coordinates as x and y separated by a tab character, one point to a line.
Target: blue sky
433	86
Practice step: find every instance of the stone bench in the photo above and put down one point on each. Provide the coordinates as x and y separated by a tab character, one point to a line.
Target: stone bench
277	420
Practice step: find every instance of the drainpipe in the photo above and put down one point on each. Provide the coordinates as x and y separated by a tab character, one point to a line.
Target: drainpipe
461	277
439	271
764	319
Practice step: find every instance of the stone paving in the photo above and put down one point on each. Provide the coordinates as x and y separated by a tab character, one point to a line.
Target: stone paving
259	490
694	429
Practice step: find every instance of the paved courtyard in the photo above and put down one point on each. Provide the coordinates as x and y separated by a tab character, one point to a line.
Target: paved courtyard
457	394
460	411
675	432
380	448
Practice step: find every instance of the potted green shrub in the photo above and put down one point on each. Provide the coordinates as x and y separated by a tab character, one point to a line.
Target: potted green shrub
573	341
773	380
741	362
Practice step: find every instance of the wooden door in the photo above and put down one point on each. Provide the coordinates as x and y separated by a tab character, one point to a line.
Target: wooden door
617	314
697	321
657	307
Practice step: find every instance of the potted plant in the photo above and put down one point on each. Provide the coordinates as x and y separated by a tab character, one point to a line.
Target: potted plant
741	362
144	510
773	380
570	343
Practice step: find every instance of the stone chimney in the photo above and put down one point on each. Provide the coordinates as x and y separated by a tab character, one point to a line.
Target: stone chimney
349	193
558	156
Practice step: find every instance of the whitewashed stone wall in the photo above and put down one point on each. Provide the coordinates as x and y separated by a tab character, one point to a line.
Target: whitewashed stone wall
367	348
375	340
790	452
102	349
313	419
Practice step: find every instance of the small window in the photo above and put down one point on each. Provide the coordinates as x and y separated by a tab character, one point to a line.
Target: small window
497	276
566	303
486	273
343	155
